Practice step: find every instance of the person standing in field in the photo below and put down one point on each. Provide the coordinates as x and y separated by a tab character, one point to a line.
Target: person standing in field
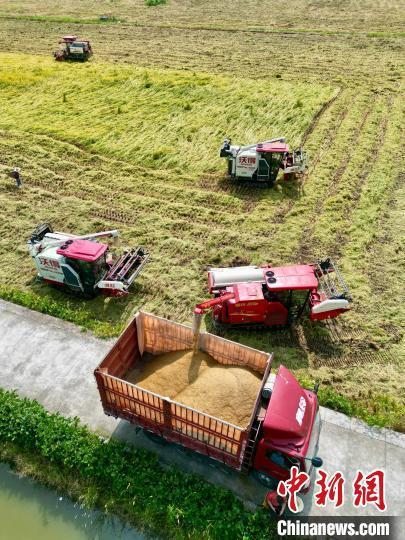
17	177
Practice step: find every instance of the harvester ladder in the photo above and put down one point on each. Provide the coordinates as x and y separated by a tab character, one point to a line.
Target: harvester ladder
250	446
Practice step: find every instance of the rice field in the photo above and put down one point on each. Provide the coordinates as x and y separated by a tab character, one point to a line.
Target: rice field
130	140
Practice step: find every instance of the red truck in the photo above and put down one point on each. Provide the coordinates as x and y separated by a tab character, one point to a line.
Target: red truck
284	426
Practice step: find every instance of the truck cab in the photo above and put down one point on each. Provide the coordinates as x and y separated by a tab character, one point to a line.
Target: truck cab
290	429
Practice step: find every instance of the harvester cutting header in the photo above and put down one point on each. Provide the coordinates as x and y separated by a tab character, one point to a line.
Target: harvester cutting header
261	162
274	295
83	265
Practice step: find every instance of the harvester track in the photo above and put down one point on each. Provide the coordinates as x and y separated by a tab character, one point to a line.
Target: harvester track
342	236
318	115
306	249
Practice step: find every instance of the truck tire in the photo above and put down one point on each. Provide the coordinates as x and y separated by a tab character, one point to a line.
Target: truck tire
265	480
154	438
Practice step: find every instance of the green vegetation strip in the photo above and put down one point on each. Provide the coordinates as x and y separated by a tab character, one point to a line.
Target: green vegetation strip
126	480
65	311
213	27
374	409
62	19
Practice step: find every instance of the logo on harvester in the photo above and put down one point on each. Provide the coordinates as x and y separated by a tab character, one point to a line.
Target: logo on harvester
49	263
299	415
247	160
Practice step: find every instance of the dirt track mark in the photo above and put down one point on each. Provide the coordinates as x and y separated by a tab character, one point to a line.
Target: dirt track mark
378	280
305	249
151	185
120	215
346	347
342	236
114	215
248	197
331	134
317	116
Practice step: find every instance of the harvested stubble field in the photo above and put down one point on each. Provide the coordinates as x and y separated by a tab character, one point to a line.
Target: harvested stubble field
130	141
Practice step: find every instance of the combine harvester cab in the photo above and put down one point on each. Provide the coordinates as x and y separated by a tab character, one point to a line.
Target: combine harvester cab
83	265
261	162
284	425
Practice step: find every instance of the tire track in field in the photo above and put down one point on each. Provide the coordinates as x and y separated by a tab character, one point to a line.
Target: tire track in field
248	197
204	215
281	215
179	229
113	213
326	145
378	280
331	350
345	347
286	205
282	211
342	237
252	198
306	249
318	115
363	347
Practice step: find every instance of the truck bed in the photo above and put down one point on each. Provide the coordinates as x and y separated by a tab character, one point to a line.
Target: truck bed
176	422
195	379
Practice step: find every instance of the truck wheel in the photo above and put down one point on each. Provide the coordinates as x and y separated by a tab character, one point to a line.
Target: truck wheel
266	480
154	438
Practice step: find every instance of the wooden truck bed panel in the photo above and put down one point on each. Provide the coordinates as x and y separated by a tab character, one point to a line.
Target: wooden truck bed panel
124	353
175	422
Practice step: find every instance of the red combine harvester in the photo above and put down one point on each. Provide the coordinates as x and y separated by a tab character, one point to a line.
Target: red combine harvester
274	295
70	48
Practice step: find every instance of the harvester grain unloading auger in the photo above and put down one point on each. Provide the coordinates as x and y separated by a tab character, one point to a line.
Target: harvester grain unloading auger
83	265
261	162
273	295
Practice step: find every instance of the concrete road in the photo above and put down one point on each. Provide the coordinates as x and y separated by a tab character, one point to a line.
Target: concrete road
53	361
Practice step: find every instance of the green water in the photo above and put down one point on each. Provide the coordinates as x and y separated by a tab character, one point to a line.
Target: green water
29	511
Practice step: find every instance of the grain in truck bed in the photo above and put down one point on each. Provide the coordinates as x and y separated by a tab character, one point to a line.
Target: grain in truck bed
196	379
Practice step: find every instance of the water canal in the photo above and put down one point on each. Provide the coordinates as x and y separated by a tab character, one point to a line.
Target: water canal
29	511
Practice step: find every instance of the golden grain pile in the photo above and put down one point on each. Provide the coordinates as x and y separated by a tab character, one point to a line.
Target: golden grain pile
195	379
